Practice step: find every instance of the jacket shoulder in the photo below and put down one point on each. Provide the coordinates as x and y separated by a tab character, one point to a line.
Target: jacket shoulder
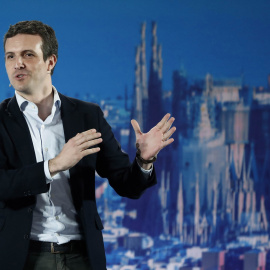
4	104
85	104
81	106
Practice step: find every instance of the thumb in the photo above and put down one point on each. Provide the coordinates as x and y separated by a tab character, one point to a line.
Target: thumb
136	126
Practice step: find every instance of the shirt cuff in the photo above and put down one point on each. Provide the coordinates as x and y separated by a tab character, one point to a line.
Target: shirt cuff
145	172
49	178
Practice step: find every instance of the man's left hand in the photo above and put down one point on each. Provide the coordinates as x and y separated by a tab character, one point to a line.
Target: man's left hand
157	138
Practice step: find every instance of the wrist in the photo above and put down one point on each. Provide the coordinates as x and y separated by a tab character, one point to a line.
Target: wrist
145	161
53	167
144	166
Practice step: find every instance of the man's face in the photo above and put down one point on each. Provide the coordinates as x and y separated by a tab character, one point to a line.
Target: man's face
26	69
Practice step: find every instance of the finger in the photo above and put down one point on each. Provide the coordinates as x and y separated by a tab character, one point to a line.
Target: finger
169	133
163	121
167	125
87	152
136	126
87	137
85	133
166	143
89	132
88	144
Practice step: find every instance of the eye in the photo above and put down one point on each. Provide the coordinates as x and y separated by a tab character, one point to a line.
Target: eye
29	55
9	56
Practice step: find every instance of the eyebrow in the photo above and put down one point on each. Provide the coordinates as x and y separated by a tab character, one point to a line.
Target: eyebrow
8	53
24	51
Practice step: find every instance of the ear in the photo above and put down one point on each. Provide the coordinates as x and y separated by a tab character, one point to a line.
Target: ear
51	62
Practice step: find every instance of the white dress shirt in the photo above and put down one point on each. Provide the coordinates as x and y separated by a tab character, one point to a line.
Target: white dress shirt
54	217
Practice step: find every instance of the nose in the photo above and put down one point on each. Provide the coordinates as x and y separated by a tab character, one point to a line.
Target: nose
19	63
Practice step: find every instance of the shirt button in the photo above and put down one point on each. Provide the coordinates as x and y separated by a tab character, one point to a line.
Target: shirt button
30	210
26	236
42	126
57	218
46	149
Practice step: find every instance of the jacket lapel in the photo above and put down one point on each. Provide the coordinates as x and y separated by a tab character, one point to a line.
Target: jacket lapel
19	132
72	119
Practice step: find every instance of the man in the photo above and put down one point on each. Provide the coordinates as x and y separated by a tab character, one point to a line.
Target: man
50	148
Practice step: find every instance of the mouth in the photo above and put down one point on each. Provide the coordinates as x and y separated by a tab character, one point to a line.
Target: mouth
20	76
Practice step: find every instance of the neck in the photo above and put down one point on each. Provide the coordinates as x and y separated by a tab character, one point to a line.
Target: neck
43	100
45	106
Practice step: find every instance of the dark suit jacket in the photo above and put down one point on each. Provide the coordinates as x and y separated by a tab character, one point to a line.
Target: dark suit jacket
22	178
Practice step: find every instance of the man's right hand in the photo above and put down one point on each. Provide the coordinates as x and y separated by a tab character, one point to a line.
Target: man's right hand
74	150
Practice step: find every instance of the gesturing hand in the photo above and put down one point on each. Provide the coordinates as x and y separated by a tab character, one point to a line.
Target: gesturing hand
74	150
157	138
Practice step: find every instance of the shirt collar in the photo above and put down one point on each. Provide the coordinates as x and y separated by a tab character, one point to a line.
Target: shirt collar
22	102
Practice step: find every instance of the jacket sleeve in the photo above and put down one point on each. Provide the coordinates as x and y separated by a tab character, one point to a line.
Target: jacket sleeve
18	180
126	178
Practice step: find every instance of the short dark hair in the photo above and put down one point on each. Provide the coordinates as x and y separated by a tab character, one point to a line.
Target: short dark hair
49	42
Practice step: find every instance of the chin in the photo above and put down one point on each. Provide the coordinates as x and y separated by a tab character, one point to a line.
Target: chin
21	89
19	86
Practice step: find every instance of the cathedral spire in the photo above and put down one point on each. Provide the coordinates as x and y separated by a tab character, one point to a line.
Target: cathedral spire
155	108
140	96
180	209
263	219
143	71
196	210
